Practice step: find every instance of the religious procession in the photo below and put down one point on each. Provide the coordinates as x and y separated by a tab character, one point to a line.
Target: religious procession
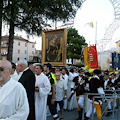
29	92
46	84
52	90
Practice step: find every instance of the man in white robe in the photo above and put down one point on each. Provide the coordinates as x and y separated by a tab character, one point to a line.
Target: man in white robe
14	75
42	89
13	98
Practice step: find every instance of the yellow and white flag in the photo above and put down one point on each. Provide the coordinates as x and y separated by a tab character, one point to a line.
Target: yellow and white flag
91	24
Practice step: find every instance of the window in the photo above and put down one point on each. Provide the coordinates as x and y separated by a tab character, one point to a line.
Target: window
18	59
18	51
18	43
32	45
25	51
25	44
32	52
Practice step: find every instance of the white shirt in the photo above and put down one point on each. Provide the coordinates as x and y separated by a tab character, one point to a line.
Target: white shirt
70	77
75	74
13	101
60	86
15	76
80	78
20	73
64	77
105	83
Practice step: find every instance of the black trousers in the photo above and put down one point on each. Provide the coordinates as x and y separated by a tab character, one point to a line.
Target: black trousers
52	107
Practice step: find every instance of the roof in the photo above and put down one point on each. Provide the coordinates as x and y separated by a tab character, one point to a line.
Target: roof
18	38
117	41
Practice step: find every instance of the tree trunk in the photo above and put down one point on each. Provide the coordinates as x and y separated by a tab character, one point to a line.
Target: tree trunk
11	34
1	8
11	38
72	61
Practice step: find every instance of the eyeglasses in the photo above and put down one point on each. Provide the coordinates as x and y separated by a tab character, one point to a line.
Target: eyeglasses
2	69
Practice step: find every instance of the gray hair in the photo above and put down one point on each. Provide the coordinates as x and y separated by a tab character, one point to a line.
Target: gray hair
22	62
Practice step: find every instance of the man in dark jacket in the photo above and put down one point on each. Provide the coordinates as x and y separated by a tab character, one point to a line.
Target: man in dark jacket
27	79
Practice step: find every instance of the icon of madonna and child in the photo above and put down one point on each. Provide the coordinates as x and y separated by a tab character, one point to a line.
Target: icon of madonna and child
54	47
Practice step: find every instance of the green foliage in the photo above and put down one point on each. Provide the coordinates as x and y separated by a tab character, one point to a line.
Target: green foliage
32	15
75	44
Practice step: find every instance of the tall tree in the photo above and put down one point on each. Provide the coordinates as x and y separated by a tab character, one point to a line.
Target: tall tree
1	9
31	15
75	44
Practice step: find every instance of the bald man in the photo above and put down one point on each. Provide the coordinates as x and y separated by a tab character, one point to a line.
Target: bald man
13	98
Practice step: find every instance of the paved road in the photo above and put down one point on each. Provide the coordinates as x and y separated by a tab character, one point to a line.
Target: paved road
68	115
72	115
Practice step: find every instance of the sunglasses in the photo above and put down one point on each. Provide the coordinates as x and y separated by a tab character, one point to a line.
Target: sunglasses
2	69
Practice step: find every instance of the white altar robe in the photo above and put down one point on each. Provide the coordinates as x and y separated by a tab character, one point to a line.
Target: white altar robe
13	101
70	79
43	83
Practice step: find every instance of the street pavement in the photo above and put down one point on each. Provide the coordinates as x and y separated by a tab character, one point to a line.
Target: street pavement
72	115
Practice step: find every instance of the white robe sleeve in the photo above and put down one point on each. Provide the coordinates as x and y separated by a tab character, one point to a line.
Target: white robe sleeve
65	86
70	77
46	89
22	107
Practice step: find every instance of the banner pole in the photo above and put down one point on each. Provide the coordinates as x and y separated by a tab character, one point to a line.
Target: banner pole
96	34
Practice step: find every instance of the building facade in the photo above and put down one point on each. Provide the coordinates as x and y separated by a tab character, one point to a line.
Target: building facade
22	49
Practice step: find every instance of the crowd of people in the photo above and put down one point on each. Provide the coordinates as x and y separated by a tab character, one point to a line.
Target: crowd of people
26	91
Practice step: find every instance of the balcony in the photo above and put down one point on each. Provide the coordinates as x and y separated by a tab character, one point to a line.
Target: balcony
4	53
4	44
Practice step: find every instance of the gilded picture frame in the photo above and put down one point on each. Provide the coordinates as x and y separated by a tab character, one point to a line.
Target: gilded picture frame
54	44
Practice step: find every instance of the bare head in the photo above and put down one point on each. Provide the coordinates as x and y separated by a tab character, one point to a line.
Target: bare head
5	71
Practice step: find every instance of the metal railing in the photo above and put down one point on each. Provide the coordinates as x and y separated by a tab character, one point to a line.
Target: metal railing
112	97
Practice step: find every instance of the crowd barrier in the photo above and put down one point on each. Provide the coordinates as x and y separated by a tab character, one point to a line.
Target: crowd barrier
115	95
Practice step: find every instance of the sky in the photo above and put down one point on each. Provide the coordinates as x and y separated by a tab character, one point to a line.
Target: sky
100	12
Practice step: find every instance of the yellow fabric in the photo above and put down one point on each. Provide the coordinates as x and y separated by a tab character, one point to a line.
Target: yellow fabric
53	77
110	73
91	24
98	111
85	68
90	77
91	70
116	72
86	57
79	109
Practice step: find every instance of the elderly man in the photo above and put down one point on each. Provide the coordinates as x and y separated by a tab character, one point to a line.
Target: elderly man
13	98
42	88
61	93
27	79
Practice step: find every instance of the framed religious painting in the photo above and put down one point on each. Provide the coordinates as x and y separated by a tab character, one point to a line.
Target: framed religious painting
54	44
